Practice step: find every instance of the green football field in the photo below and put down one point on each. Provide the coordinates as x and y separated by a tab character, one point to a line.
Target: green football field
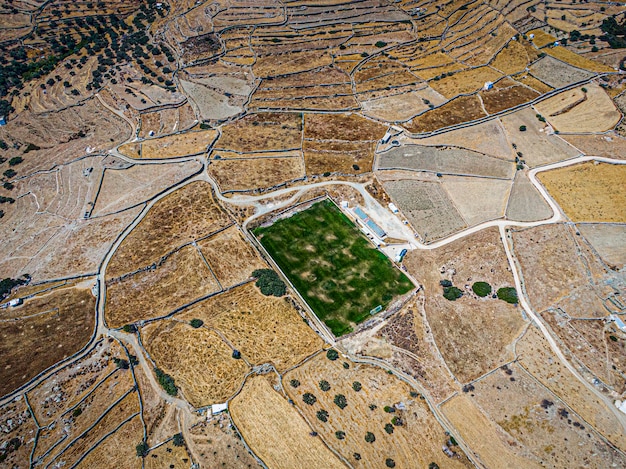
333	265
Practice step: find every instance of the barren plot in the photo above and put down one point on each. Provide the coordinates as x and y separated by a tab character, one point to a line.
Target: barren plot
264	417
231	257
465	82
487	441
264	131
537	147
576	60
44	330
512	59
188	143
558	74
457	111
200	362
17	422
354	159
427	207
525	202
581	111
497	100
415	442
589	191
483	327
216	443
264	329
478	199
402	106
187	214
258	173
608	240
610	146
537	358
341	127
293	62
211	104
446	160
529	80
123	188
168	455
181	278
541	38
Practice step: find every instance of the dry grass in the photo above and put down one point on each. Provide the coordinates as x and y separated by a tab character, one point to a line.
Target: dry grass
187	214
512	59
352	158
21	426
341	127
414	444
609	146
465	82
44	330
265	419
168	455
531	81
149	294
541	38
188	143
273	65
589	191
469	196
265	329
263	131
463	109
200	362
132	150
576	60
257	173
506	98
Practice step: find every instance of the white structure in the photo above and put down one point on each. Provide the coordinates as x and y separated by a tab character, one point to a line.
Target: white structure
531	36
386	137
618	322
217	408
344	204
488	85
556	43
15	302
621	405
392	207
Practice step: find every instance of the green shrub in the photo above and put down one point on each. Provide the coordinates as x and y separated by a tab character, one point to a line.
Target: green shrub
178	440
322	415
204	126
389	410
269	282
121	363
390	462
76	412
10	173
452	293
196	323
332	354
389	428
346	365
370	437
129	328
357	386
340	435
482	289
31	147
380	44
445	283
15	160
433	465
7	185
294	383
166	382
324	385
340	401
508	294
7	284
584	90
309	398
142	449
522	128
613	338
357	456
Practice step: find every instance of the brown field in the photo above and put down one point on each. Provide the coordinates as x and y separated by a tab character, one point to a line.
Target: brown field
576	60
21	426
168	455
541	38
180	279
216	444
348	162
198	359
401	106
537	358
464	82
132	150
556	73
469	196
258	173
263	131
154	408
43	331
264	418
187	214
577	111
231	257
273	65
499	100
609	146
341	127
414	444
589	191
188	143
322	103
459	110
484	327
525	202
608	240
512	59
265	329
487	441
529	80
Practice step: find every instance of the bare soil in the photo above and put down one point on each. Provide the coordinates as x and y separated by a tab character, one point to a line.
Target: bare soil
463	109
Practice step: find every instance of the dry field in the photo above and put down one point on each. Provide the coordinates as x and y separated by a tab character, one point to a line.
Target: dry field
525	202
356	161
427	206
273	65
264	418
198	359
610	145
263	131
464	82
589	191
17	422
131	150
478	199
257	173
537	358
497	100
487	441
577	60
216	444
402	106
445	160
155	409
341	127
265	329
579	111
415	443
457	111
43	331
181	278
513	58
212	104
558	74
529	80
187	214
541	38
608	240
537	147
167	121
184	144
483	327
231	257
168	455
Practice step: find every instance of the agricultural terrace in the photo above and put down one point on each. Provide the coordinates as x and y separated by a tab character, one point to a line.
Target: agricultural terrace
333	266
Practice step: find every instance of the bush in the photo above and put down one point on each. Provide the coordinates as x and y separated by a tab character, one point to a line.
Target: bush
522	128
31	147
445	283
7	284
322	415
357	386
166	382
204	126
10	173
380	44
309	398
452	293
294	383
15	160
324	385
369	437
340	435
129	328
482	289
584	90
433	465
76	412
508	294
613	338
269	282
236	354
332	354
390	462
7	185
357	456
121	363
340	401
389	410
196	323
389	428
397	421
142	449
346	365
178	440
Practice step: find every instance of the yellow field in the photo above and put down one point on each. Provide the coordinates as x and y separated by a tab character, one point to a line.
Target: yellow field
258	173
576	60
189	143
264	131
275	431
541	38
464	82
512	59
589	191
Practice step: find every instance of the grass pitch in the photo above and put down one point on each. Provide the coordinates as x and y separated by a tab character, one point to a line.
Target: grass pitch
333	266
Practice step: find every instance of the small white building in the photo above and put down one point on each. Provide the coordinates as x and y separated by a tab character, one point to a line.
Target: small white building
392	207
344	204
15	302
531	36
386	137
618	322
488	85
218	408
